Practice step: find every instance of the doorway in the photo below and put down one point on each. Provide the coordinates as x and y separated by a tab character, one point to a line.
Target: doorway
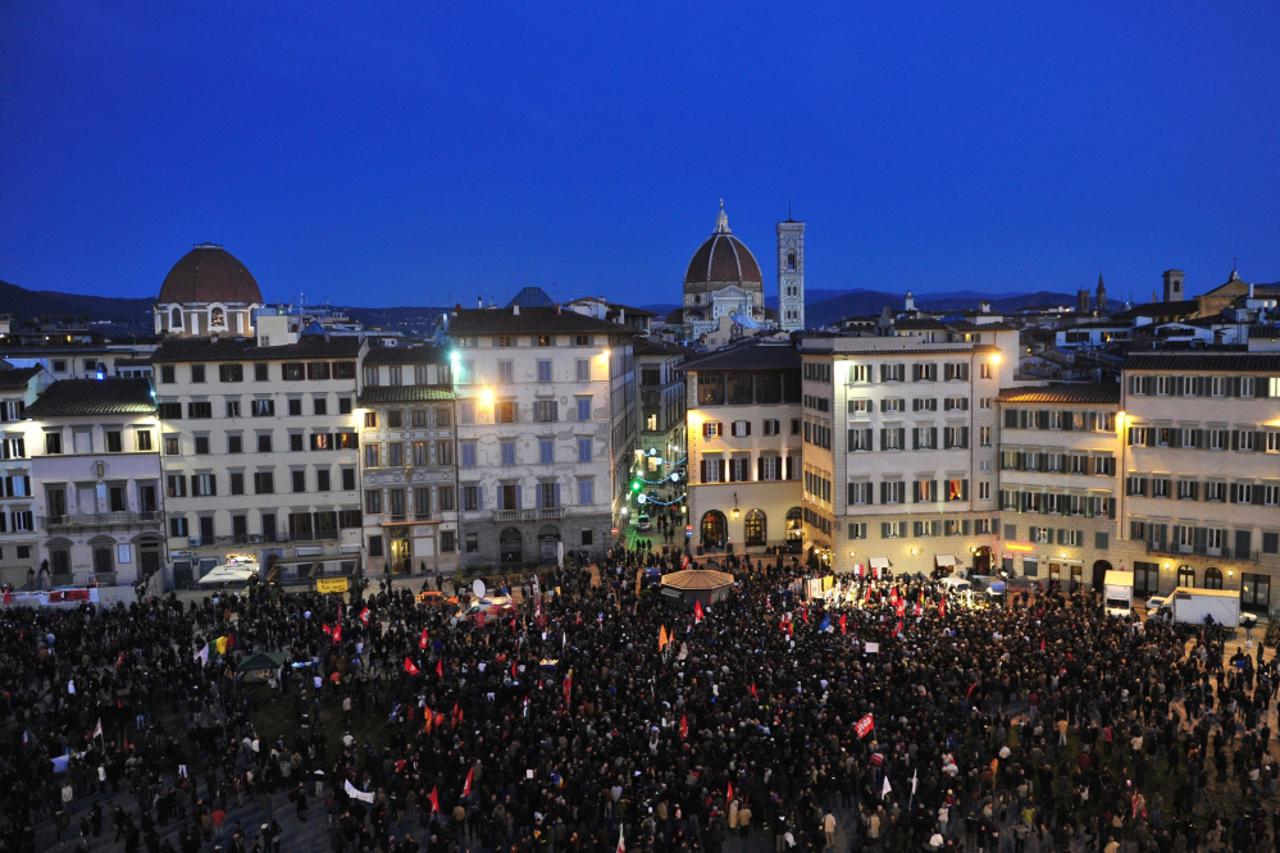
510	545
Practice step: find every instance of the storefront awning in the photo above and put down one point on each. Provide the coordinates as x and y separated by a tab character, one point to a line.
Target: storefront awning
944	561
879	563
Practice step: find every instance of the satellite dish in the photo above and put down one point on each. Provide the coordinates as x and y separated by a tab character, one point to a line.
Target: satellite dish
478	588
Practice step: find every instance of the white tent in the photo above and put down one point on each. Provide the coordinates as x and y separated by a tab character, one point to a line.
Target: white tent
231	572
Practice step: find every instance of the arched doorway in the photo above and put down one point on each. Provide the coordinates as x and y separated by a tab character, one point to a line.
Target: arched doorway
1186	575
982	560
755	528
795	529
1213	578
1100	569
548	539
510	545
714	529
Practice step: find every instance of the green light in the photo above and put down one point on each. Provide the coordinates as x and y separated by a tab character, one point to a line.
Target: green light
636	485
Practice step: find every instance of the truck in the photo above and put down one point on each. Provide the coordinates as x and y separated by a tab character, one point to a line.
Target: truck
1118	592
1189	606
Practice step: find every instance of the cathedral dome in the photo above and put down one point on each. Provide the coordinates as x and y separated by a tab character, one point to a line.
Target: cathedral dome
209	273
723	259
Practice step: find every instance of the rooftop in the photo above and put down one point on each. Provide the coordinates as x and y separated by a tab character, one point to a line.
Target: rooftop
405	355
1241	362
529	321
1063	392
89	397
378	394
13	379
753	356
247	349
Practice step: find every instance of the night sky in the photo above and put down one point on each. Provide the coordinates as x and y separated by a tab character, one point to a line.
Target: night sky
408	156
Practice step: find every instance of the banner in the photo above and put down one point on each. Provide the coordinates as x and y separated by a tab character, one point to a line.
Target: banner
332	584
864	727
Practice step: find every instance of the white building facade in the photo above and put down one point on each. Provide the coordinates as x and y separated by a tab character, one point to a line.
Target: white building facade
546	424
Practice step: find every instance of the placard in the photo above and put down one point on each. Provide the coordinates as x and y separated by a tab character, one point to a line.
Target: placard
332	584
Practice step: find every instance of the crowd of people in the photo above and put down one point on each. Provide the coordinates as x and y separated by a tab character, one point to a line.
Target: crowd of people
602	715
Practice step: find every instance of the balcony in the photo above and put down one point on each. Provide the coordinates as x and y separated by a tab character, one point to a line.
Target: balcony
1166	549
540	514
102	520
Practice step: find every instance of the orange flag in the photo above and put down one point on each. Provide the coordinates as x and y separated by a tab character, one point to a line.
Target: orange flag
663	639
698	615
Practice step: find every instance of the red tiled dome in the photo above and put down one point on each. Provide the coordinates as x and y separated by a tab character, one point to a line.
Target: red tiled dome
723	258
209	273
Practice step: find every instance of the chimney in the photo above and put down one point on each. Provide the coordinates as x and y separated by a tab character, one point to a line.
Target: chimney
515	310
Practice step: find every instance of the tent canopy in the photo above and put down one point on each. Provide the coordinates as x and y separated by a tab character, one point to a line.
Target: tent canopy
261	661
237	572
879	563
698	579
945	561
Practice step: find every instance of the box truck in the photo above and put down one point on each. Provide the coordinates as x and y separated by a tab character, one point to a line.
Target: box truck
1118	593
1190	606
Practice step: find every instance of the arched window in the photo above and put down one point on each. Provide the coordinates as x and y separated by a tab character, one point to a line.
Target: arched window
791	261
1213	578
1186	575
175	318
218	318
714	529
755	528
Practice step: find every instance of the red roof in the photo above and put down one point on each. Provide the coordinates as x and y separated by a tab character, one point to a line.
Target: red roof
209	273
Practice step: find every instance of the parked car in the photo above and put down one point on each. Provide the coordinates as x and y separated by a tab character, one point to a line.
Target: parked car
643	522
490	605
1155	603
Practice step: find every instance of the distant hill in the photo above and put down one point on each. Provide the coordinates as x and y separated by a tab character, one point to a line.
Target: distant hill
26	304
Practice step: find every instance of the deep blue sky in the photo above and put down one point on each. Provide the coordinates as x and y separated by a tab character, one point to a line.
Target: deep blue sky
416	155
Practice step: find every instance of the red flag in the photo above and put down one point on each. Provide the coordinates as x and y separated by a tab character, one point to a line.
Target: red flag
411	668
866	599
422	640
864	726
364	616
844	628
900	606
893	596
697	612
466	786
897	629
337	635
513	669
434	798
440	668
942	608
969	692
684	727
325	627
753	691
728	794
1042	645
804	614
568	689
456	714
427	718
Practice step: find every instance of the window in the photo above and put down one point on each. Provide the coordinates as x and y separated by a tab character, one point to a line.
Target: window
471	498
740	429
373	501
237	482
395	454
197	373
711	429
175	486
860	493
584	449
548	495
293	372
893	404
263	408
546	451
295	407
115	441
233	408
544	370
264	442
544	340
53	442
507	450
199	409
264	482
230	372
545	411
859	373
1215	491
584	408
504	412
166	374
202	445
203	485
348	479
177	525
468	454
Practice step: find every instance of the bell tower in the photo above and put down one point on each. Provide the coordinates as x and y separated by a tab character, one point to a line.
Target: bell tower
791	275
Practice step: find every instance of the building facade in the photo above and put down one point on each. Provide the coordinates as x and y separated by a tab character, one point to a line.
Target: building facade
660	371
1201	471
745	454
547	420
900	441
408	465
19	388
96	477
1058	481
261	453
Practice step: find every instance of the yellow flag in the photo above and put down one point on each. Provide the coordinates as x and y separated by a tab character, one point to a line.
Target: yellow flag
221	645
663	639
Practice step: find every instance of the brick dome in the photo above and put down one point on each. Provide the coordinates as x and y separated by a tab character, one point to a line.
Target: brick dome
724	259
209	273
